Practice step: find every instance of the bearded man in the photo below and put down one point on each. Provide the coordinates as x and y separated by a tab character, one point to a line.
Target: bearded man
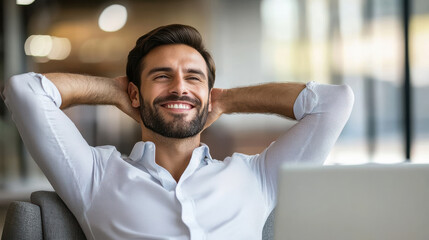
169	187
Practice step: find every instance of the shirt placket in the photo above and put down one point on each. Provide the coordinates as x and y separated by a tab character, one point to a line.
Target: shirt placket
189	215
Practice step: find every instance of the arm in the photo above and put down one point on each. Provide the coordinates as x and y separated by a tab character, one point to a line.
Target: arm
321	111
71	165
267	98
78	89
275	98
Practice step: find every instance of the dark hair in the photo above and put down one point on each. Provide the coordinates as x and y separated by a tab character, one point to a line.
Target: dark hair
170	34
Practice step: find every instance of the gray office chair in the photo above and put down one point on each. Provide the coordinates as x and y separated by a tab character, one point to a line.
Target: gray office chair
47	217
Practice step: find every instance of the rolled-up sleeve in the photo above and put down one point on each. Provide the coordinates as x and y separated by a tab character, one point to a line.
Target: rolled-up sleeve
52	139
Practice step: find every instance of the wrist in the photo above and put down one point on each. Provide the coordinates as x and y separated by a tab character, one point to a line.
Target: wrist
225	101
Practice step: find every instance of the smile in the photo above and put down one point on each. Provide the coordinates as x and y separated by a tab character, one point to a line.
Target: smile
178	106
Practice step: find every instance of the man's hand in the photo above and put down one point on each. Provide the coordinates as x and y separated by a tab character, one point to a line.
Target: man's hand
124	102
216	106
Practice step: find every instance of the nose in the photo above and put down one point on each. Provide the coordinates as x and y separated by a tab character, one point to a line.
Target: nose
178	86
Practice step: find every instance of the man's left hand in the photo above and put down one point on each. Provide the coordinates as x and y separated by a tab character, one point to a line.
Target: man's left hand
216	106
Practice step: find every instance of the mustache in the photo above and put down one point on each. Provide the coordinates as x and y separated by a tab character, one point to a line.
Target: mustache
194	101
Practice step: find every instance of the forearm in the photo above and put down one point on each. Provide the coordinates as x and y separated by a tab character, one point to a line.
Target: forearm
276	98
82	89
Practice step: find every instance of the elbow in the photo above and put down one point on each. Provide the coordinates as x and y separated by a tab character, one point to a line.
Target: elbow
16	88
346	98
12	86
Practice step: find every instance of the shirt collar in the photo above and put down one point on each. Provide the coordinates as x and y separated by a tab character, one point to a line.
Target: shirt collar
139	148
137	152
206	152
143	155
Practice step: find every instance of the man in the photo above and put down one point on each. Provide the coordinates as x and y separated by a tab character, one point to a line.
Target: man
169	187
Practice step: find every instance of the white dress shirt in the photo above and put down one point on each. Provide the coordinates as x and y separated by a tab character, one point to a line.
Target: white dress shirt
135	198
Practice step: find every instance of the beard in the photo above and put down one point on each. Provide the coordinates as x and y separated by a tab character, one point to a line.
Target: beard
178	127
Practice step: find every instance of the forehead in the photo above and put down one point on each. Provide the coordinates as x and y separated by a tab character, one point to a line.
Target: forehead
175	56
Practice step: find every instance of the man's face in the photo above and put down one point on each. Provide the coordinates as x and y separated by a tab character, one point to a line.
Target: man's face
174	94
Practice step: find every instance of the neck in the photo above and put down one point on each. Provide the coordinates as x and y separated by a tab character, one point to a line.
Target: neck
173	154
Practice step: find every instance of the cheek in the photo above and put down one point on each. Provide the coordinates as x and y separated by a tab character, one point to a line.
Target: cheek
154	90
148	95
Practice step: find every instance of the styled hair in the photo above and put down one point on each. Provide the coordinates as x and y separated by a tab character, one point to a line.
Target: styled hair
164	35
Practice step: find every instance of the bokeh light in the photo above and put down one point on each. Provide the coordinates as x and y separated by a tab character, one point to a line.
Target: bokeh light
61	48
113	18
47	47
24	2
38	45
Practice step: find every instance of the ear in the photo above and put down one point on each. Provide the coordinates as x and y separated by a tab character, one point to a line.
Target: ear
133	93
210	100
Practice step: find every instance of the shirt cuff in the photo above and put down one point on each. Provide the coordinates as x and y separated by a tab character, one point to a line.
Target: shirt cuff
49	88
306	101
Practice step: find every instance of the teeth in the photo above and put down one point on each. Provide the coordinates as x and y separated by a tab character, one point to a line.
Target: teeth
178	106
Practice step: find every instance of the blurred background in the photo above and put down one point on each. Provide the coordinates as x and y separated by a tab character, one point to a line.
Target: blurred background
361	43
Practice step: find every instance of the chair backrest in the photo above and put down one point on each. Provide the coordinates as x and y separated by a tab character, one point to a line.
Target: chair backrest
268	231
23	221
57	220
47	217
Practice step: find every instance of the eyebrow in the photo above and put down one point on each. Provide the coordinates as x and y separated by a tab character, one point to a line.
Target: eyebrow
160	69
195	71
168	69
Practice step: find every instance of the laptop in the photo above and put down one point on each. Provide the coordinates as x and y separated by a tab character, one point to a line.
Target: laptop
360	202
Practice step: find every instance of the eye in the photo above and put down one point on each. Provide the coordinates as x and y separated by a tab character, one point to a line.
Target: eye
161	77
193	78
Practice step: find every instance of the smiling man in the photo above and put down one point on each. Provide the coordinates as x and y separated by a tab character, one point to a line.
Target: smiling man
170	187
